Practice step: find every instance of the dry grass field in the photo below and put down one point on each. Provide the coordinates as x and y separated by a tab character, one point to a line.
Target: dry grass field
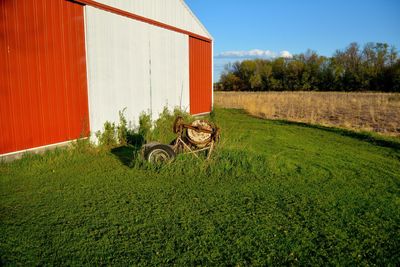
378	112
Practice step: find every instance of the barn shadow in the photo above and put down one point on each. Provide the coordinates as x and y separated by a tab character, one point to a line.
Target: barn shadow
129	153
125	154
362	136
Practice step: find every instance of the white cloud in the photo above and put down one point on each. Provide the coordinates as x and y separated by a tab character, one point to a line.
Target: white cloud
261	53
250	53
285	54
255	53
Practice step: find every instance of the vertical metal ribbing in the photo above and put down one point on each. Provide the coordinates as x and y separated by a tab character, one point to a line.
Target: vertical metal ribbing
200	76
150	84
44	50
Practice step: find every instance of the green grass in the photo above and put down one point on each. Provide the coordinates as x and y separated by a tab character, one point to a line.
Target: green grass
274	193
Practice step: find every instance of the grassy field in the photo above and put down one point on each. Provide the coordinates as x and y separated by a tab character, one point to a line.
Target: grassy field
274	193
378	112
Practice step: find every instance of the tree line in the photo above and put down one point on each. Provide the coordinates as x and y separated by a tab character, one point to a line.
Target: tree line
374	67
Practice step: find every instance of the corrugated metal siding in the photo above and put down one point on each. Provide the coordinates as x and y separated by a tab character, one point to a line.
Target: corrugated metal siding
171	12
43	96
134	65
200	76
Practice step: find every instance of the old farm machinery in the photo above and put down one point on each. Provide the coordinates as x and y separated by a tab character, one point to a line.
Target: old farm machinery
198	137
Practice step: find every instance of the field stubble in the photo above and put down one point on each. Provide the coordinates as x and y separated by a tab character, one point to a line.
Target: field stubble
378	112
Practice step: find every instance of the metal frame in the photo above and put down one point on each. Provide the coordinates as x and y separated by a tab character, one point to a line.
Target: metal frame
188	150
186	146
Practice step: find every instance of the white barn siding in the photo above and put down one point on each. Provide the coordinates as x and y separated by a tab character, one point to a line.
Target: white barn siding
134	65
171	12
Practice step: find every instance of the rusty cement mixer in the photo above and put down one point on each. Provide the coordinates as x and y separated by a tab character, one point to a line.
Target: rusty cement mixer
199	136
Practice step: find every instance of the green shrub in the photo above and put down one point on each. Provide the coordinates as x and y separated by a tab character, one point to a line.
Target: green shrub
122	129
160	130
108	137
145	126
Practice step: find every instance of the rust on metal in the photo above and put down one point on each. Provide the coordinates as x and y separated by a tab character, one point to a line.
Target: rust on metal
200	135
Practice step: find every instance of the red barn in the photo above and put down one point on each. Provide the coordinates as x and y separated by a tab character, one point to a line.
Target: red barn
69	66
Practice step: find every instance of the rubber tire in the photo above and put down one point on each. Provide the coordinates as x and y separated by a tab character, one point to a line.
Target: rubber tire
159	154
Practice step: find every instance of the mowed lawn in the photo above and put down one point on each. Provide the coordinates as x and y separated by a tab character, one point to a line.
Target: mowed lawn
274	193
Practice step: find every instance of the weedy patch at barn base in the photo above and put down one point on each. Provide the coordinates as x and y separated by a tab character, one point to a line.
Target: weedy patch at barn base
273	193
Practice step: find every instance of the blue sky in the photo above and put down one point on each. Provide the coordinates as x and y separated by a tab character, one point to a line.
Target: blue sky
289	26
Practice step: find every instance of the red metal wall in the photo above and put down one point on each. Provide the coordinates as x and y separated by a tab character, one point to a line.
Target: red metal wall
200	75
43	93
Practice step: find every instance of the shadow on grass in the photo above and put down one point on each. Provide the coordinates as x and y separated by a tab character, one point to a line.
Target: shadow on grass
127	154
363	136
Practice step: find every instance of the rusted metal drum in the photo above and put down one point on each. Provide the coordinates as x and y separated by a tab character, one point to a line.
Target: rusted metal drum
199	138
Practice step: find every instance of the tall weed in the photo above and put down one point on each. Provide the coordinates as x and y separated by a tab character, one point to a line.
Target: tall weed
159	130
122	129
107	138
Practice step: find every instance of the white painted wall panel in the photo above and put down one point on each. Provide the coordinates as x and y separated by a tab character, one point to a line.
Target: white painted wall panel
169	70
172	12
134	65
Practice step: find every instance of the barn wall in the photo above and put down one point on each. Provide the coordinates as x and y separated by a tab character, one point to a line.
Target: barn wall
43	94
200	76
171	12
134	65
